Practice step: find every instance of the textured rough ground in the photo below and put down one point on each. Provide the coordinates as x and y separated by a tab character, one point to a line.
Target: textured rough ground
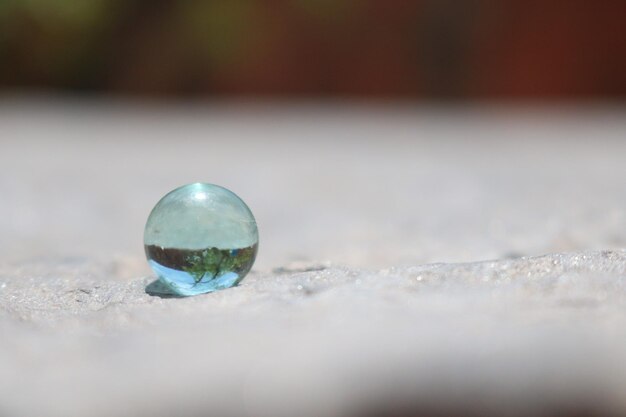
369	296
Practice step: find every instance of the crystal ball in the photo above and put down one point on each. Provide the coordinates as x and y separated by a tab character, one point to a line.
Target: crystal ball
200	238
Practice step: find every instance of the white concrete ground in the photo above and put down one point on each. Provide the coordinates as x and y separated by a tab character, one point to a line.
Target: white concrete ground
368	297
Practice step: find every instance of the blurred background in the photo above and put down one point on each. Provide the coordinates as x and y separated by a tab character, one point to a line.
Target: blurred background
432	49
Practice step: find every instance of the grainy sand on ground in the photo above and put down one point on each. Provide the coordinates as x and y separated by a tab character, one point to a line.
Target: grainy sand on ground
412	260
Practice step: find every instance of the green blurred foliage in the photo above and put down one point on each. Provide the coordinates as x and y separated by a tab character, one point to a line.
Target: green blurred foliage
81	14
391	48
327	10
51	40
220	28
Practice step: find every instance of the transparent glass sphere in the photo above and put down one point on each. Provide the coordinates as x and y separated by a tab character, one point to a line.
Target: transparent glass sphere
200	238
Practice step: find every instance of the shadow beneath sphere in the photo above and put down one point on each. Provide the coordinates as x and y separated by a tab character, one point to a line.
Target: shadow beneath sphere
157	289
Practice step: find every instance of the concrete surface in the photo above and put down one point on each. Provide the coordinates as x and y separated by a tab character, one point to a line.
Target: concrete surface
373	293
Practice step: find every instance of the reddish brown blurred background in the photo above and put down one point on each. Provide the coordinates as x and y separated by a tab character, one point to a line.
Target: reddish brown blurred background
572	49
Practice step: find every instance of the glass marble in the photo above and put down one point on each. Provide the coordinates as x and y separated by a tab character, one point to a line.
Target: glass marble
200	238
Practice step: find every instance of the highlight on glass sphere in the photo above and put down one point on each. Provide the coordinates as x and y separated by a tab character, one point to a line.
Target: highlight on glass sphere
200	238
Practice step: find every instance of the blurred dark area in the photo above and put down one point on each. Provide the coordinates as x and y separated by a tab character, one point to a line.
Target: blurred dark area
441	49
